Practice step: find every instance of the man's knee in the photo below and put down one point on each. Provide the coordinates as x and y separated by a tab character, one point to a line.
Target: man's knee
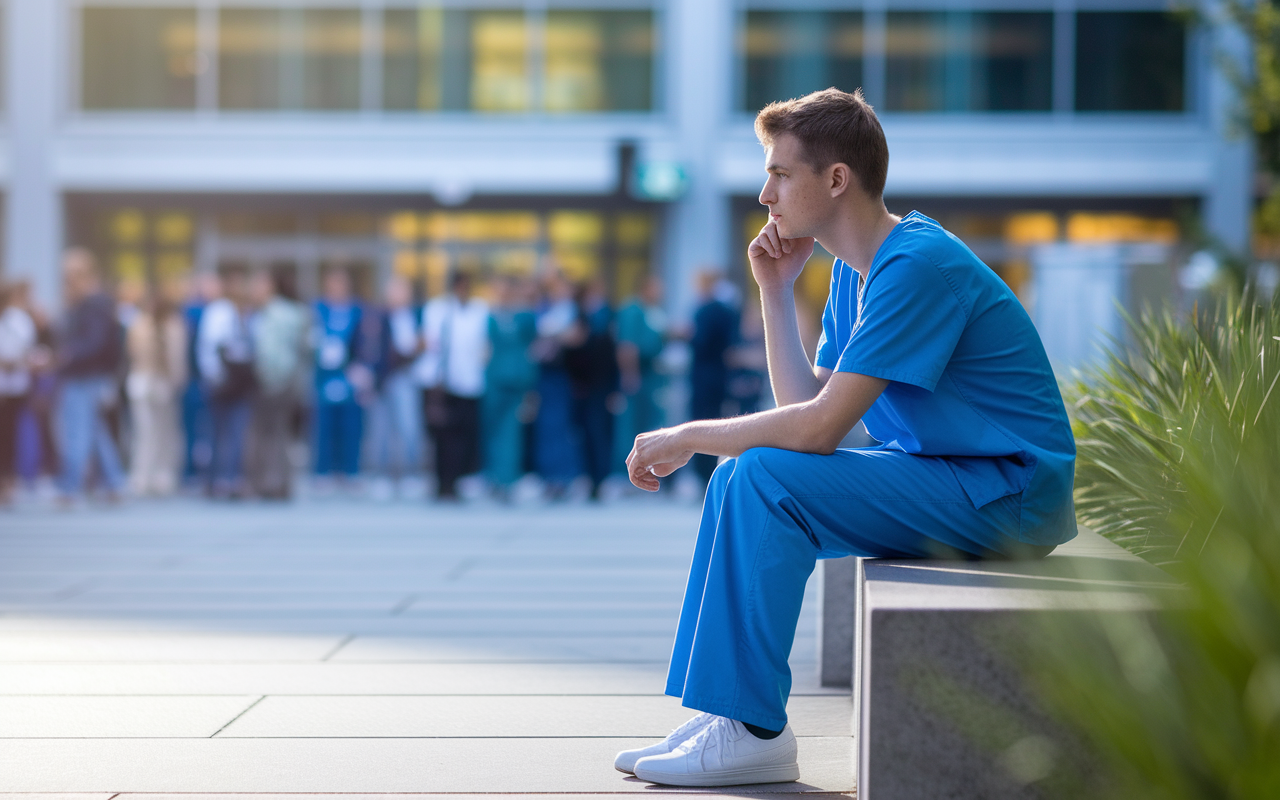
759	461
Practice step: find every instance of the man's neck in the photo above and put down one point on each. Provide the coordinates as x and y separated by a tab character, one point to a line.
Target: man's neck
855	236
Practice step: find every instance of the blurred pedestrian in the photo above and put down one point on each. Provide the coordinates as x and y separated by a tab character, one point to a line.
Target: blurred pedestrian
17	342
557	440
131	296
715	327
748	363
37	442
279	329
592	362
642	335
456	328
398	445
197	427
157	349
224	352
89	350
339	417
510	379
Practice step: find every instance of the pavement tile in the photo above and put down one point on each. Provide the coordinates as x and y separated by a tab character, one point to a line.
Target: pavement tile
655	647
58	795
334	678
527	628
754	792
168	646
119	716
360	765
503	716
434	678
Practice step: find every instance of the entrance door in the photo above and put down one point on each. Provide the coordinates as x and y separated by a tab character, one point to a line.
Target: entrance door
307	258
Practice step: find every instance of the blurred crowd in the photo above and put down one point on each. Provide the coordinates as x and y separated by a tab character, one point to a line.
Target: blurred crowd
230	386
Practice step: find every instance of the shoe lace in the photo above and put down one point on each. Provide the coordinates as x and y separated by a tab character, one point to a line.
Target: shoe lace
691	725
715	736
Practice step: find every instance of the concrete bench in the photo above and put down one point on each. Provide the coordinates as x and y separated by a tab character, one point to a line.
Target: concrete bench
882	618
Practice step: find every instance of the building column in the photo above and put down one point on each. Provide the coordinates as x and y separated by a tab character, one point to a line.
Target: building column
1228	205
699	96
33	91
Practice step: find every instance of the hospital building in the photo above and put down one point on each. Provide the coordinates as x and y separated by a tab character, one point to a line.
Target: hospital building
1078	146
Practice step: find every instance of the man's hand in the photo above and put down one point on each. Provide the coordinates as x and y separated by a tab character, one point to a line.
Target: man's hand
777	262
656	455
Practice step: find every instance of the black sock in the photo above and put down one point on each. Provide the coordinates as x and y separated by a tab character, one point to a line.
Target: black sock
761	733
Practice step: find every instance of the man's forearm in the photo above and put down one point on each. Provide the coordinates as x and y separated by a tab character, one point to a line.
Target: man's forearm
790	372
793	427
813	426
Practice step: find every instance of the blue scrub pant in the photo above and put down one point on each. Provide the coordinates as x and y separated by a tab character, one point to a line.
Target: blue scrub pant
557	448
768	516
339	427
503	434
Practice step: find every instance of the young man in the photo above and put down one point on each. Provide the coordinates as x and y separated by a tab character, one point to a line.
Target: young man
933	352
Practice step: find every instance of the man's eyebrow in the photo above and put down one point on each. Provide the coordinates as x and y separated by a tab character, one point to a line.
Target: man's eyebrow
771	167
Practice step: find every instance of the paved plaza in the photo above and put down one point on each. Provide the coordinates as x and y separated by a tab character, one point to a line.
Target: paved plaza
352	647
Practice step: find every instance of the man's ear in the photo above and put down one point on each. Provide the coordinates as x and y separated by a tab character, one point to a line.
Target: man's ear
840	179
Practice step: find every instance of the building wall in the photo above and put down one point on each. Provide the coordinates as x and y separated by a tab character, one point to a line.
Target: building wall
699	118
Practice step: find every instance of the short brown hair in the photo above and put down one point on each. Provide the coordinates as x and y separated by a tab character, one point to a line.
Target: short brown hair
832	127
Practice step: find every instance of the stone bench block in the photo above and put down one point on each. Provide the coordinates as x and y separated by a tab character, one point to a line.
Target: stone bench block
925	654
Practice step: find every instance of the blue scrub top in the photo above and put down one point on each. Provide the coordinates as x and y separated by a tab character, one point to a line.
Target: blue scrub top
338	329
968	376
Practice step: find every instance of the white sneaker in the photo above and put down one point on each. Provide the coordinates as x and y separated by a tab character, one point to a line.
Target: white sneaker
724	753
626	760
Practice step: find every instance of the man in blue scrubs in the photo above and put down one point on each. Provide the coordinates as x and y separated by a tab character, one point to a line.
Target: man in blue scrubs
924	344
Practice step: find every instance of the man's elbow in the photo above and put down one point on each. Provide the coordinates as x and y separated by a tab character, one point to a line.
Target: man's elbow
822	440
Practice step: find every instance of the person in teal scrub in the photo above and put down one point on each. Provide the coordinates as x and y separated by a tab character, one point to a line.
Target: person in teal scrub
924	344
339	418
642	333
509	378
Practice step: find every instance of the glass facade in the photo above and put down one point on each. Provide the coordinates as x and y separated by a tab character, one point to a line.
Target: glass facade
289	59
141	246
791	53
138	58
968	61
583	243
598	61
250	58
1130	61
527	58
149	241
455	60
460	60
332	42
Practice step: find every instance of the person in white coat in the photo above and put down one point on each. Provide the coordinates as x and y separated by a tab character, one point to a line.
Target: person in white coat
17	339
456	327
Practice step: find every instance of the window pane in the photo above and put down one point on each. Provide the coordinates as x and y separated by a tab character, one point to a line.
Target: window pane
331	44
250	58
915	61
499	61
967	61
1012	62
411	59
139	58
599	61
1131	61
454	59
791	53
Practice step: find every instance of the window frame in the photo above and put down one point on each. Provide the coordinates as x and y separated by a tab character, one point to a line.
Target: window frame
371	60
1062	77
